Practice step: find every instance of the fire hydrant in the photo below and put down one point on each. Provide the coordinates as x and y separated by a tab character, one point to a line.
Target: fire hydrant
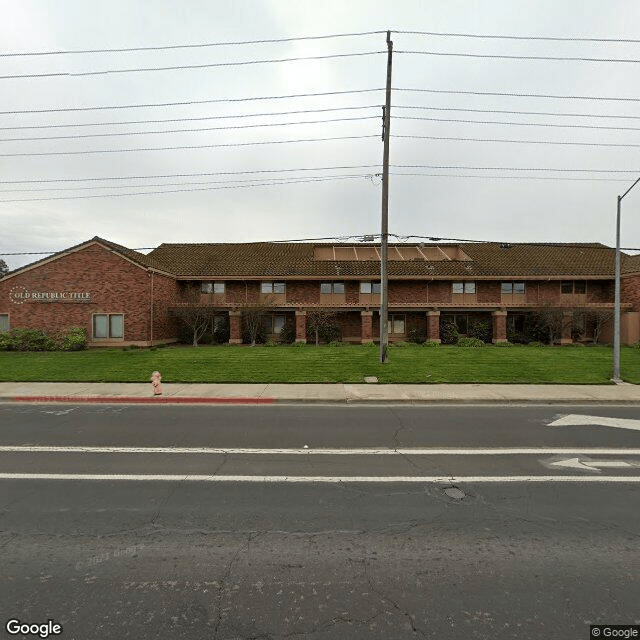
155	381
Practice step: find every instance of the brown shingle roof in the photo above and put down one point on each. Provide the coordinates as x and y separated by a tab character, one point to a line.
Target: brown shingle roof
290	260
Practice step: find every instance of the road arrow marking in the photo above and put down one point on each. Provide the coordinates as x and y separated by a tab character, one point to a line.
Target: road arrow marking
591	465
575	419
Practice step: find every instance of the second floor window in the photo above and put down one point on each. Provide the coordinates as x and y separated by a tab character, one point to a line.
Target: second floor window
512	287
463	287
272	287
327	288
573	286
212	287
369	287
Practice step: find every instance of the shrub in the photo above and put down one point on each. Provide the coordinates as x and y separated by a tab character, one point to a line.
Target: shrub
415	336
288	333
449	333
503	344
470	342
298	344
29	340
270	343
481	329
370	344
636	345
401	343
74	339
535	343
336	343
431	343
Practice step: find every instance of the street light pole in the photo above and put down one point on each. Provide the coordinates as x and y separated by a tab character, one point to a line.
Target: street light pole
616	300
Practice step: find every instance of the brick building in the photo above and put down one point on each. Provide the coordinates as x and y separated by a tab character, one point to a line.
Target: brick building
121	296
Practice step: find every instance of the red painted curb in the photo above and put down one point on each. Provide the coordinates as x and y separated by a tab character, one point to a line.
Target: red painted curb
138	400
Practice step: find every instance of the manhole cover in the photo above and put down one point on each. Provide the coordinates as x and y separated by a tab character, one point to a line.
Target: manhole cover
455	493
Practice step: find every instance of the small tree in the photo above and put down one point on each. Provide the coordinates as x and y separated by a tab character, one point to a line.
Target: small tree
4	269
322	323
188	310
253	321
596	319
549	319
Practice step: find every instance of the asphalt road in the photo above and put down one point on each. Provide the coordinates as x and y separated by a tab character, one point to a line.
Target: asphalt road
394	522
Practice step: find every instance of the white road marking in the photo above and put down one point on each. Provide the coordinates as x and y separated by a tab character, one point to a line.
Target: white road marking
576	419
592	465
372	451
312	479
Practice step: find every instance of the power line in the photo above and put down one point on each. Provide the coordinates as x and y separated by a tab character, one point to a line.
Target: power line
518	124
562	114
195	119
513	57
69	74
188	102
518	95
511	37
468	168
198	129
192	175
263	180
196	146
505	177
556	142
145	193
201	45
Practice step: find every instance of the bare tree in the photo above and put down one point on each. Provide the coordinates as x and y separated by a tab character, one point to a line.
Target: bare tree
253	316
188	310
551	319
4	269
321	321
596	318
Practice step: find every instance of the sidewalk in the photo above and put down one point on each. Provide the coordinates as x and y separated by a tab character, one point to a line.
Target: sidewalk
135	393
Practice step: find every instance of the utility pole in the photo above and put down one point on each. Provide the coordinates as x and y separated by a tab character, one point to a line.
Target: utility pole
616	300
384	236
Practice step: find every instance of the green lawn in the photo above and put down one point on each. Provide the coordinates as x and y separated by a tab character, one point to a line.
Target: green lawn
411	364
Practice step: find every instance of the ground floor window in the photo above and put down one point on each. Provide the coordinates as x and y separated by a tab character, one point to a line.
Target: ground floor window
515	322
108	325
396	323
461	320
274	324
4	322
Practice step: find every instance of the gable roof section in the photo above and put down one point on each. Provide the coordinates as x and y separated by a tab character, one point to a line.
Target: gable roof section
291	260
139	259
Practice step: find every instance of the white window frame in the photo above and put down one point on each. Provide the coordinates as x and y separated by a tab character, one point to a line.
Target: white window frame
109	335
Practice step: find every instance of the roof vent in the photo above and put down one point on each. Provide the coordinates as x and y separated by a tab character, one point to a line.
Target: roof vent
505	245
366	239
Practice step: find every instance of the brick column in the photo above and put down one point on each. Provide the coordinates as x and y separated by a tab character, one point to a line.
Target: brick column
301	326
567	325
433	326
235	327
499	326
367	326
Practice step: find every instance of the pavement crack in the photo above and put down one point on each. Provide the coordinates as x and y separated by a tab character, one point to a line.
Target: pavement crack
225	459
166	499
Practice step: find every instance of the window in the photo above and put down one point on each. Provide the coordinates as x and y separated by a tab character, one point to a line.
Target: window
212	287
273	324
573	286
272	287
396	323
4	322
327	288
369	287
463	287
108	325
513	287
460	320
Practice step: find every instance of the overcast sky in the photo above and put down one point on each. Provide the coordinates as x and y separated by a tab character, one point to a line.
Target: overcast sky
464	201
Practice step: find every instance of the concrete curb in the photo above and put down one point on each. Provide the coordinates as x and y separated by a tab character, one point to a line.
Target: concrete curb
314	401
